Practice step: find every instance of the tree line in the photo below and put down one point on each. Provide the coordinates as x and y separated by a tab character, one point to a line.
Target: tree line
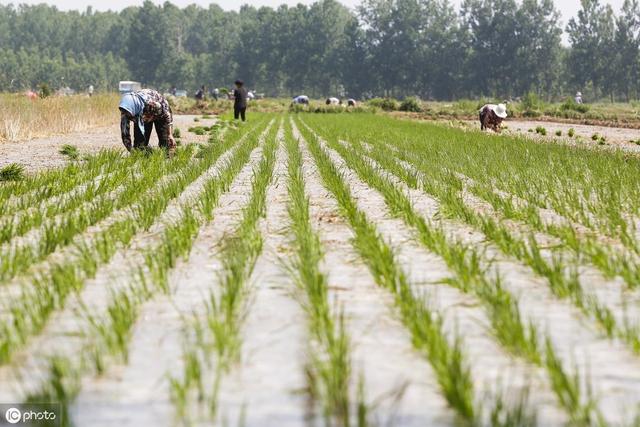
398	48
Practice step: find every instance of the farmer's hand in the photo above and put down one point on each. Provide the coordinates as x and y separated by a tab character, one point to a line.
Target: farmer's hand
172	146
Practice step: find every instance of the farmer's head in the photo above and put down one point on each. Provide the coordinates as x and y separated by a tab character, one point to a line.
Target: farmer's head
239	83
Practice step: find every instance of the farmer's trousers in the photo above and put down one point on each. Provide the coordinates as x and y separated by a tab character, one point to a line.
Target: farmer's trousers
239	112
162	129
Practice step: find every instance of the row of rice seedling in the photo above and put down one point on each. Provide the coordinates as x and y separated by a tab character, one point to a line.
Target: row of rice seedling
329	370
20	223
445	355
105	188
560	269
588	247
110	332
213	341
22	194
18	256
48	290
610	258
595	189
472	276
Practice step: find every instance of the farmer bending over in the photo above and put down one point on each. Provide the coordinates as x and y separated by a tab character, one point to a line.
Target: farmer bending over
491	116
146	108
239	101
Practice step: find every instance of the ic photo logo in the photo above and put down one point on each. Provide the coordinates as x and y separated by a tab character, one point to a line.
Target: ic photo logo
30	415
13	415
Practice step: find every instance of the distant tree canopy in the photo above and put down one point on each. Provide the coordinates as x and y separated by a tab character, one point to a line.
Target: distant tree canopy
495	48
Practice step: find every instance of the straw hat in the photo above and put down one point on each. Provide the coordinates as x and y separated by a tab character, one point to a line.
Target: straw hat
501	111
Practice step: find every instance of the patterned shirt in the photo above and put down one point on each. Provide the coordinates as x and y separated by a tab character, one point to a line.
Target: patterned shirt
156	109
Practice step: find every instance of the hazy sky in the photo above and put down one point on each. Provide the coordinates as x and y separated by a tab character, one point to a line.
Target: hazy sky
567	7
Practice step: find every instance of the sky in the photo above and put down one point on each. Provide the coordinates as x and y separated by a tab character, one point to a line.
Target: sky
568	8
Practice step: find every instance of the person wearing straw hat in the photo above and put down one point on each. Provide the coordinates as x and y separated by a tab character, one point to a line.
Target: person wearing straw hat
578	97
492	115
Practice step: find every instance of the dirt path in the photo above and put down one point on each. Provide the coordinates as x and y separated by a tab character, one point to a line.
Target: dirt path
615	137
42	153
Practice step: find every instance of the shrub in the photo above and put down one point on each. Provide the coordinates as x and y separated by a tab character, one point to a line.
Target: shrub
558	133
571	132
531	105
12	172
595	137
296	108
387	104
411	104
541	130
44	90
571	105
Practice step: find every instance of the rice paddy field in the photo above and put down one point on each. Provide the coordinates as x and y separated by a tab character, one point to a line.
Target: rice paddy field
327	270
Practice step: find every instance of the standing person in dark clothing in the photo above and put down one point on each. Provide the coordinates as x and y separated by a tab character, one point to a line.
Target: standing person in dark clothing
239	101
200	94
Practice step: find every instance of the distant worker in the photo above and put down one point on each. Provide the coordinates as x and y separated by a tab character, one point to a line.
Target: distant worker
146	108
250	95
216	93
578	98
200	94
301	99
173	91
491	116
239	100
90	91
332	101
351	102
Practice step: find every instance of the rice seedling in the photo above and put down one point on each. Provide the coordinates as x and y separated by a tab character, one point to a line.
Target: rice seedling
121	231
508	327
111	332
329	372
71	151
12	172
219	332
61	227
425	326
